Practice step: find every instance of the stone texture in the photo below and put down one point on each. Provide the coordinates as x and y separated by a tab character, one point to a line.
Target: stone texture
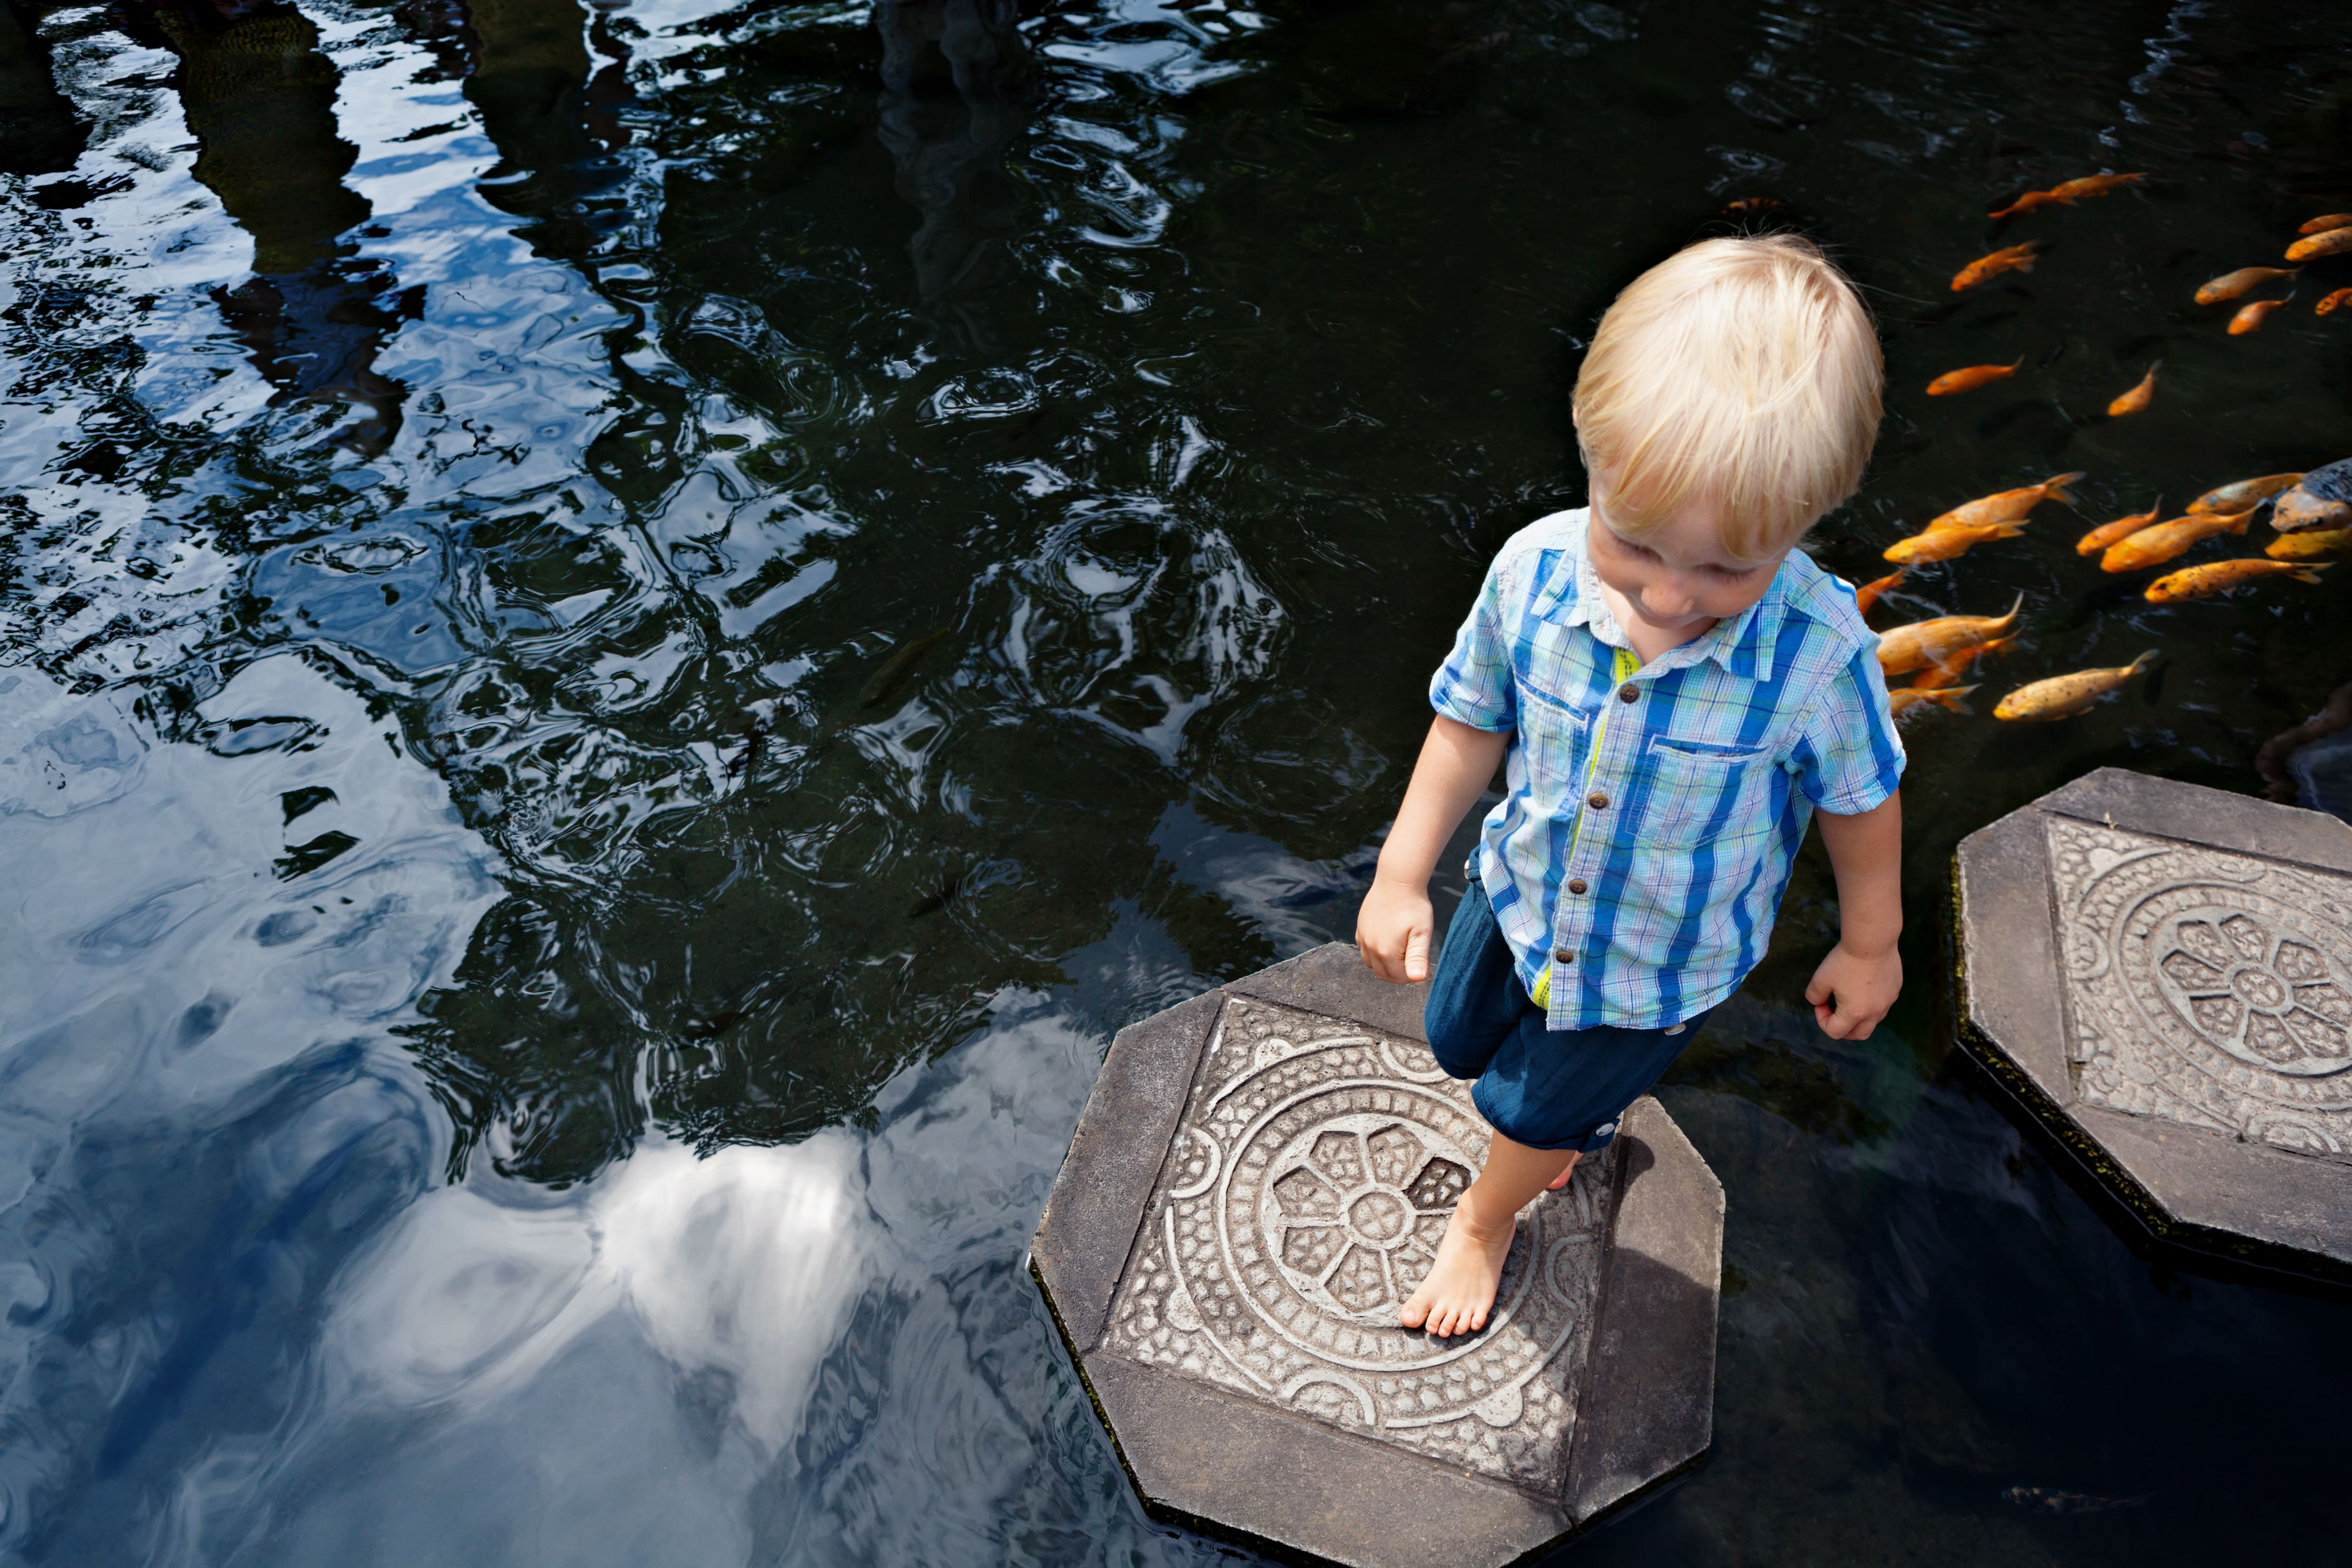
1227	1253
2164	972
1097	1201
1649	1408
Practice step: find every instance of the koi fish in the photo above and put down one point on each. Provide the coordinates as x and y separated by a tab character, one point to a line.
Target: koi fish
2311	544
1903	698
1968	380
2230	285
2321	498
2222	576
1944	544
2325	222
2138	397
1923	643
1867	595
1945	671
2243	493
2334	302
2154	546
2063	696
2329	242
2106	533
2007	506
2250	318
2015	259
2072	191
1751	206
899	668
2024	204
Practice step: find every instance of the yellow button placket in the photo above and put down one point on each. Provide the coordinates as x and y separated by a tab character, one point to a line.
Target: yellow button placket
1626	665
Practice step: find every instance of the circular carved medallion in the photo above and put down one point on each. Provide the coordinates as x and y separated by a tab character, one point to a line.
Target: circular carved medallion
2244	987
1316	1167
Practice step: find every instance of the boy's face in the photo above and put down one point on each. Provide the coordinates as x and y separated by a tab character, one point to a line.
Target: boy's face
1678	580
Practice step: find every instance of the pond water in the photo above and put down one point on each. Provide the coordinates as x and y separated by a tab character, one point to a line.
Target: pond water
627	633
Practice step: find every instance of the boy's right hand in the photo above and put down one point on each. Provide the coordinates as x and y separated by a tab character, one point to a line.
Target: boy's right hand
1392	932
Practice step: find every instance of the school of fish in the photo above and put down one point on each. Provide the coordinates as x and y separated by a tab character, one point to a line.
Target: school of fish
2310	513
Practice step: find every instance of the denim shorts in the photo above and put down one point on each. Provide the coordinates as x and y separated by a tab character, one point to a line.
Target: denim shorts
1543	1088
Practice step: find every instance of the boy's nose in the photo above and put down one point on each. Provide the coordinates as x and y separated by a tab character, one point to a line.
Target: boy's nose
1667	600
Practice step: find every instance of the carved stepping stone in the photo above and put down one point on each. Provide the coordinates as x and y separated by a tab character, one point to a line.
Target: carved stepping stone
2163	975
1258	1182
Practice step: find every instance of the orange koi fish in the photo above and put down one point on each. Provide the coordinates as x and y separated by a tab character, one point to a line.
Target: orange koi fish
1751	206
1923	643
2325	222
2329	242
1903	698
1944	544
2311	544
2218	577
2138	397
2230	285
1867	595
2154	546
2334	302
2015	259
2106	533
2063	696
1945	671
2242	493
2007	506
2025	202
2250	318
2072	191
1968	380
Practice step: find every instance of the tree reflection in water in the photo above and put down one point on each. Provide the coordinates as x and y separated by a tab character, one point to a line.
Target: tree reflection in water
958	85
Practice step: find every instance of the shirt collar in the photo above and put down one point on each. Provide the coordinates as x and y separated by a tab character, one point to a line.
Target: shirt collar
1742	645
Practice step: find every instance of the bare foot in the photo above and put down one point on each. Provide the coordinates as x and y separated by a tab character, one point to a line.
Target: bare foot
1559	1183
1459	1291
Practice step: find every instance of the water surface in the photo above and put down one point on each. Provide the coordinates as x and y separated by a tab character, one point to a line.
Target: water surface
627	632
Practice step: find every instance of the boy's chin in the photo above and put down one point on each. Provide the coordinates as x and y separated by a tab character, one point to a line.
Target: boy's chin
1679	623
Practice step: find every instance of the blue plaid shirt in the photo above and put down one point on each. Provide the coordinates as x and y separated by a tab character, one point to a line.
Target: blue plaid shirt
1653	811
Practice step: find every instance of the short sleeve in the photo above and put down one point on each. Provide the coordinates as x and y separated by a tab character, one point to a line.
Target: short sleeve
1848	758
1473	686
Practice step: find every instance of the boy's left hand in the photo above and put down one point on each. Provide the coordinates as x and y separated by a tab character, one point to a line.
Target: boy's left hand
1851	994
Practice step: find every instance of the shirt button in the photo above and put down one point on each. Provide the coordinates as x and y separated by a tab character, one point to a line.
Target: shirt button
1629	692
1564	957
1597	801
1576	886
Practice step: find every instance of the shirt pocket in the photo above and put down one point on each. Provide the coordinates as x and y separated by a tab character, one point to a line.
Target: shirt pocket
1555	739
1703	793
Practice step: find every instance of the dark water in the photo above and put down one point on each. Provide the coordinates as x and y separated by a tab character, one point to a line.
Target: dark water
626	634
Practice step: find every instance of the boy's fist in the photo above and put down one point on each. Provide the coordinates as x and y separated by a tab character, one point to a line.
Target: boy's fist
1852	993
1392	933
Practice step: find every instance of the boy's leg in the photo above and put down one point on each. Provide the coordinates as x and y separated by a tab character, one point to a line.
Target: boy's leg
1459	1289
1562	1094
1474	997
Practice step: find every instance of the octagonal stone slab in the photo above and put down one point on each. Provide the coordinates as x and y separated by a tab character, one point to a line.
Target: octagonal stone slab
2163	975
1258	1179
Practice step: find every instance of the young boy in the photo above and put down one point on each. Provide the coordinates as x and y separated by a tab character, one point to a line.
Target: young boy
1674	693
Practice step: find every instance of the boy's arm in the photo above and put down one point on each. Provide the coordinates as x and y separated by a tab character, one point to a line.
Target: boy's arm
1857	982
1392	929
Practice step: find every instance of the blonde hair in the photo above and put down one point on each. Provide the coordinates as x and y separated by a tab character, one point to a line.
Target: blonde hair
1743	371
